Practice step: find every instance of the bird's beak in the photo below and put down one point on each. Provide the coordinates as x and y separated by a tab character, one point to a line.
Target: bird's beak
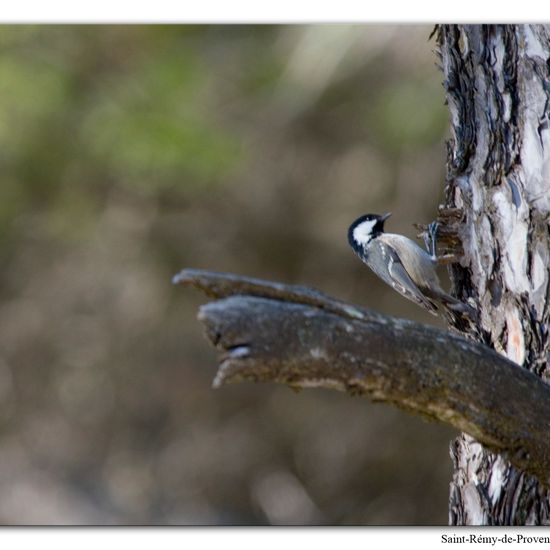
385	216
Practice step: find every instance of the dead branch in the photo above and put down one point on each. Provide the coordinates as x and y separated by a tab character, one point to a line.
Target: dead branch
298	336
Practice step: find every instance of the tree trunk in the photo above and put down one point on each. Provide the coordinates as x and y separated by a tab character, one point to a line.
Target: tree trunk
497	85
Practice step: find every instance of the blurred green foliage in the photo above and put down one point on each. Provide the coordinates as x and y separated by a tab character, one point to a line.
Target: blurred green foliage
149	108
89	107
405	118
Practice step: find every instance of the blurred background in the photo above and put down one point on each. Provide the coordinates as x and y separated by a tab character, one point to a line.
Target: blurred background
130	152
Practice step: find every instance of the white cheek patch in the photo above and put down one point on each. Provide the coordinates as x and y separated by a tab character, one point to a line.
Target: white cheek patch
362	234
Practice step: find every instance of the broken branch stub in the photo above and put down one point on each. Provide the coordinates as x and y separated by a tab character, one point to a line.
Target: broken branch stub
266	333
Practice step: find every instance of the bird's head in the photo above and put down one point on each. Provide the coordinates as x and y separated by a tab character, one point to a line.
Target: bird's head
366	228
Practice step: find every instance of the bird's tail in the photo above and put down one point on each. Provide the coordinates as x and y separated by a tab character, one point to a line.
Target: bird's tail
451	308
454	309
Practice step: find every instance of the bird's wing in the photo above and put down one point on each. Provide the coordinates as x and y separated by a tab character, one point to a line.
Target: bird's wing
402	282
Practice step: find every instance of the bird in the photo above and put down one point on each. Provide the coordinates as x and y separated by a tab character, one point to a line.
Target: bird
404	265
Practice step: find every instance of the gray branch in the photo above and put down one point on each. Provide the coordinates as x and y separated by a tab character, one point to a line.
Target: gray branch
300	337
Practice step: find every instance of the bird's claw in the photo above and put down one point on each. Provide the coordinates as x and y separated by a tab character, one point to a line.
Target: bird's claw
430	239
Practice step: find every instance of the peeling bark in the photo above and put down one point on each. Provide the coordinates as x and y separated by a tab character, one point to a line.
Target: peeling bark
497	84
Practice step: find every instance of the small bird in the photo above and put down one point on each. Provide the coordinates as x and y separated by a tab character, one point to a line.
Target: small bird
404	265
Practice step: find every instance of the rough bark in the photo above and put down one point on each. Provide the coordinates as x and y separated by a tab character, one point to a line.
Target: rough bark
300	337
497	85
